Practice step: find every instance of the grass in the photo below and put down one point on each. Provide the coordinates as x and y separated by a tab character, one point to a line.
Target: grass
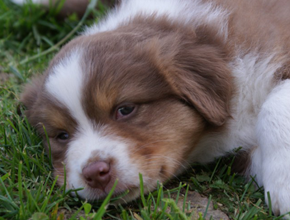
29	38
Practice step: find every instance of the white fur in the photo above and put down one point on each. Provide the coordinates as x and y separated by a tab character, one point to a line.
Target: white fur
273	133
185	11
65	83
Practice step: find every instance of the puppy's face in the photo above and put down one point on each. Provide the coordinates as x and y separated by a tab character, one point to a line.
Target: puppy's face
115	105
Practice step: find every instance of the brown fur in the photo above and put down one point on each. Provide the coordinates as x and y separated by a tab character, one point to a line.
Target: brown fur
263	25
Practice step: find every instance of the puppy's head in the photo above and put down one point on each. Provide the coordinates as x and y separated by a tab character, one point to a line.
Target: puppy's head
125	102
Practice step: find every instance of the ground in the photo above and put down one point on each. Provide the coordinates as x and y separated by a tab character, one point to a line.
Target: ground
29	38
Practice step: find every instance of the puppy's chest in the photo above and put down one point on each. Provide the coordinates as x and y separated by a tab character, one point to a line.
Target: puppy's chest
254	79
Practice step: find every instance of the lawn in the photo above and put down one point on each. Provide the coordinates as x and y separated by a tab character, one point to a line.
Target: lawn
29	38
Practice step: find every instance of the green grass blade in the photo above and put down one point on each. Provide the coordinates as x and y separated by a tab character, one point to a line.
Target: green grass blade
102	209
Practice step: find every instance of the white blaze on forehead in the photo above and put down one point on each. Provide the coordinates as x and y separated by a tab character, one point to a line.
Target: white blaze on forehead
65	83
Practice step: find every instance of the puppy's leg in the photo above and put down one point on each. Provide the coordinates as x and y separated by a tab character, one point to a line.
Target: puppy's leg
273	132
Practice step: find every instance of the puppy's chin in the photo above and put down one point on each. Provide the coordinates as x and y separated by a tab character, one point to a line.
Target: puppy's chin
128	190
123	195
124	191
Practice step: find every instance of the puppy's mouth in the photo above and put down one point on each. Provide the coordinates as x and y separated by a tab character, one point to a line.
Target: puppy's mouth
123	191
99	177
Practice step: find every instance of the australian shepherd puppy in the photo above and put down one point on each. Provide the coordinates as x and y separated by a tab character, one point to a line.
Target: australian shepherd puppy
160	84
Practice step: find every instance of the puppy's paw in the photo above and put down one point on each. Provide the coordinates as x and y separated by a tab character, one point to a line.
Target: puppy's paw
279	190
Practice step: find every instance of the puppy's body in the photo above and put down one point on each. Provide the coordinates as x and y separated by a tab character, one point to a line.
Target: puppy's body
202	78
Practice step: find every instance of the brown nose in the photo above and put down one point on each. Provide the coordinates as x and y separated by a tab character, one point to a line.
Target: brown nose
97	175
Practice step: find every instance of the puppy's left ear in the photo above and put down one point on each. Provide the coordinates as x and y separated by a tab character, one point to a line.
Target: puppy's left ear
30	94
199	74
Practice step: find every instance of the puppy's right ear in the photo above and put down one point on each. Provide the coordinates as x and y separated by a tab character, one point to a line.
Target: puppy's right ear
198	73
31	92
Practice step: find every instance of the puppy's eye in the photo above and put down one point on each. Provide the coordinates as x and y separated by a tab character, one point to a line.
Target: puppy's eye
125	111
63	136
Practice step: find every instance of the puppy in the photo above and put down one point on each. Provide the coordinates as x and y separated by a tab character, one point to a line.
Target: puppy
160	84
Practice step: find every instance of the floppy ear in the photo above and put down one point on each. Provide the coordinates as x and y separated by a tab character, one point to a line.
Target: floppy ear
199	74
31	92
